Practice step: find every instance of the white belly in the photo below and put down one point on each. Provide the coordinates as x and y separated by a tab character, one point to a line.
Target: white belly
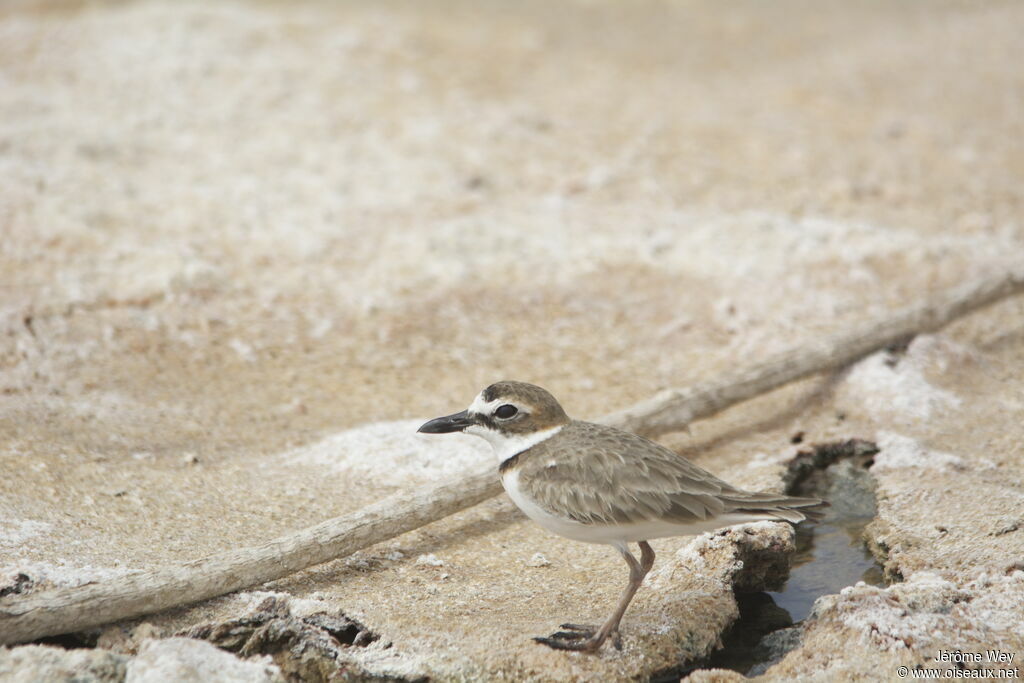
560	525
614	534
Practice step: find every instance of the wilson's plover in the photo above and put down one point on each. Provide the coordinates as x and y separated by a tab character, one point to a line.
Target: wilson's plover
598	484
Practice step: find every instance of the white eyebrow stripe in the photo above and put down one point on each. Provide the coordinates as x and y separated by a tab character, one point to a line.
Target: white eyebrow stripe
482	407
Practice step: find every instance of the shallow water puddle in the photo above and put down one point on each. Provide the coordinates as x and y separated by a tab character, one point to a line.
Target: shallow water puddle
830	556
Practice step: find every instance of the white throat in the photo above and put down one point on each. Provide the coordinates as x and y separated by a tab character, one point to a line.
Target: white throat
507	445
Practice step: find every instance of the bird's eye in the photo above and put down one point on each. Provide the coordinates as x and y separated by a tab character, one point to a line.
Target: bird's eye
506	411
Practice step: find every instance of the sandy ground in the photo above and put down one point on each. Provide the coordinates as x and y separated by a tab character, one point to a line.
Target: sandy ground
232	232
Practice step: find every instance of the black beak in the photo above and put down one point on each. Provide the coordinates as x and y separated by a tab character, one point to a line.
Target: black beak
448	423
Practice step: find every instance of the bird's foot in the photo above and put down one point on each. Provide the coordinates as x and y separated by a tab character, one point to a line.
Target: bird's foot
580	638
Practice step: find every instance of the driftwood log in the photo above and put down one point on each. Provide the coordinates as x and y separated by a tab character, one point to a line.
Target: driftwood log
65	610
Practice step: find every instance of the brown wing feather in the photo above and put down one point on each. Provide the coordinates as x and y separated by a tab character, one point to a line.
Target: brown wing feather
615	477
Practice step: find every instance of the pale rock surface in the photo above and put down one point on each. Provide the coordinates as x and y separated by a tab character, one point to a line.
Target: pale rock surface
908	624
185	659
678	616
898	391
35	663
241	240
946	531
715	676
394	454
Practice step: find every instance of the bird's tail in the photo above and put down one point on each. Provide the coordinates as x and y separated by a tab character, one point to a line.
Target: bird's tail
783	508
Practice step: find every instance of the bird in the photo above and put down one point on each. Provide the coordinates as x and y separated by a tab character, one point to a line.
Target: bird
599	484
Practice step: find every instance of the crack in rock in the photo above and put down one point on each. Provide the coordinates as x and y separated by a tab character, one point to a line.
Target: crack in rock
309	648
764	633
16	584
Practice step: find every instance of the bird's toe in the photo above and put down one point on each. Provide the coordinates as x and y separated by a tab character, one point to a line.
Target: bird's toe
579	638
573	644
578	627
572	635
